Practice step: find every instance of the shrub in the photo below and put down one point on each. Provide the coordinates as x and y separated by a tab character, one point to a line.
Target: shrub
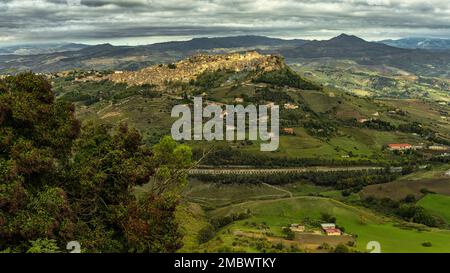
427	244
341	248
205	234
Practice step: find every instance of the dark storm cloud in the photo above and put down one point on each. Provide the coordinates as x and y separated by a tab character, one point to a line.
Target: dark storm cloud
86	20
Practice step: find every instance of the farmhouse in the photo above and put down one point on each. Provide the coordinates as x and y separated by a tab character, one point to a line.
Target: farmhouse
297	228
438	148
328	226
333	232
400	147
418	147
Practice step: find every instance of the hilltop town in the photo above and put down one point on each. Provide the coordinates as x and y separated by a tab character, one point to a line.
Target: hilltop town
188	69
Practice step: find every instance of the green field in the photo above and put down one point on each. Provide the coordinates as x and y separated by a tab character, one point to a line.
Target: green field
218	195
393	237
437	204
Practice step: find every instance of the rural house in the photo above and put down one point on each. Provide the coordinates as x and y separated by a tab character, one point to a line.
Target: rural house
438	148
333	232
328	226
400	147
297	228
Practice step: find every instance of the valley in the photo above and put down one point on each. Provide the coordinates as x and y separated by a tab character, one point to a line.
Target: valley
364	145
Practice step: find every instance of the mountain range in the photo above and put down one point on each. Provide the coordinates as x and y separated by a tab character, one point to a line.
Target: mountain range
34	49
347	47
420	43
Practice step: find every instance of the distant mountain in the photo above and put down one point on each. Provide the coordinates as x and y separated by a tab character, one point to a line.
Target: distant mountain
347	47
34	49
419	43
424	62
342	46
227	42
106	56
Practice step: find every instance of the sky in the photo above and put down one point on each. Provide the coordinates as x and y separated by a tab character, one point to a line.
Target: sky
134	22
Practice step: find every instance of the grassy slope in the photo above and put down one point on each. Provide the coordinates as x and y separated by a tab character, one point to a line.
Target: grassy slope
369	227
437	204
218	195
191	219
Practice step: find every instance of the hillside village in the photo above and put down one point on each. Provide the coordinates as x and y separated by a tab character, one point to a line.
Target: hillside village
188	69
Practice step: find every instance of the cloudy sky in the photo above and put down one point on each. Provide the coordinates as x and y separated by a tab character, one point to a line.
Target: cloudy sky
147	21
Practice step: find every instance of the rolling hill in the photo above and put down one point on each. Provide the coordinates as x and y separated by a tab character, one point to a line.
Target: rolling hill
422	43
347	47
344	47
106	56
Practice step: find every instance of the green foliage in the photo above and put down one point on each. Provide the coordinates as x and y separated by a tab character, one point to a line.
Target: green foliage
228	155
418	215
43	246
341	248
220	222
266	94
92	92
211	79
338	179
60	182
206	234
289	234
320	128
327	218
404	210
378	124
285	77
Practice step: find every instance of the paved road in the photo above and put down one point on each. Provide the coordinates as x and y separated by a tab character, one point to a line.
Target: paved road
281	170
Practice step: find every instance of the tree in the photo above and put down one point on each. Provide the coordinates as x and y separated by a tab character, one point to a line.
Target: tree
60	182
36	136
289	234
206	234
328	218
341	248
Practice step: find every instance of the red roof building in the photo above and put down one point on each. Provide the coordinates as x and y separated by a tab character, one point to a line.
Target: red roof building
400	147
333	232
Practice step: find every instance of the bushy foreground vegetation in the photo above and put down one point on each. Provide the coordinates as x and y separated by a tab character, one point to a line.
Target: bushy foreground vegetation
61	182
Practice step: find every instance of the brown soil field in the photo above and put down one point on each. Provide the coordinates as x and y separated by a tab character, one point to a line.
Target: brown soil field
400	189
